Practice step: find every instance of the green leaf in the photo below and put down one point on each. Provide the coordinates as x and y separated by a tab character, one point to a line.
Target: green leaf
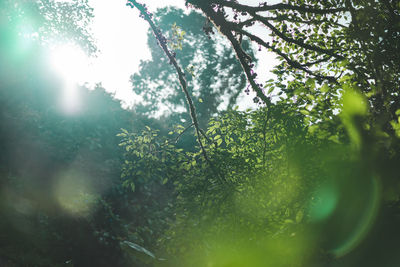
270	90
289	221
310	83
304	112
324	88
312	128
187	166
334	138
125	183
354	103
219	142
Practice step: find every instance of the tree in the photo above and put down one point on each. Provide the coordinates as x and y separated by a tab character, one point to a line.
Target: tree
321	74
336	57
268	168
308	177
41	146
320	42
214	77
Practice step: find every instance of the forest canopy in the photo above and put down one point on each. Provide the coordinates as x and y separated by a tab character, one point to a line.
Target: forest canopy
306	177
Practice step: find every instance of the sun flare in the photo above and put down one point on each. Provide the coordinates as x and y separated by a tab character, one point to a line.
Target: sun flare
70	62
72	65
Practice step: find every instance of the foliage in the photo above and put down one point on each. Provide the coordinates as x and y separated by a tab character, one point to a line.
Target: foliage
46	21
309	178
57	175
57	172
323	79
324	47
211	69
328	51
258	182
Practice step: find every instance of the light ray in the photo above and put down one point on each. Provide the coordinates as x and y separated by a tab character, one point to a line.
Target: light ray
72	64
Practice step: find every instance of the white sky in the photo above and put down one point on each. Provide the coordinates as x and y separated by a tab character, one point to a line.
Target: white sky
121	37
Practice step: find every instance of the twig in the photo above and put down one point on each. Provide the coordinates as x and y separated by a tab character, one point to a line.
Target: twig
281	6
179	136
292	63
298	42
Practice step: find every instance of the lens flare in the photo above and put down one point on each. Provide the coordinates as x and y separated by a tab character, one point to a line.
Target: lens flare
71	63
74	193
325	204
366	220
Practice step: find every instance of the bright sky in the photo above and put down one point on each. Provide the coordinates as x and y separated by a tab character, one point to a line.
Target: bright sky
122	40
121	37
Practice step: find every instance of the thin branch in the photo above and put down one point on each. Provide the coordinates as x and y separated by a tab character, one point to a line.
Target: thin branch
309	64
245	60
281	6
205	136
300	43
179	136
286	18
292	63
182	80
246	23
227	28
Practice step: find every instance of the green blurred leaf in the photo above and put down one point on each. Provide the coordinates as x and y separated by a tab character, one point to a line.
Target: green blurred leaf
354	103
219	142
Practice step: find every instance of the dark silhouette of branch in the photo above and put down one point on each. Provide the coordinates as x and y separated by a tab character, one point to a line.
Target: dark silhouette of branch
281	6
286	18
290	62
213	9
245	60
179	136
298	42
182	80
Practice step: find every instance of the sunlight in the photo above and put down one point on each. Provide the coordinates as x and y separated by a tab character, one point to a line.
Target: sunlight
72	64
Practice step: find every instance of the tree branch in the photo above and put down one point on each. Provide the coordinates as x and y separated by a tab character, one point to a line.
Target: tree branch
281	6
228	28
182	80
245	60
292	63
300	43
179	136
